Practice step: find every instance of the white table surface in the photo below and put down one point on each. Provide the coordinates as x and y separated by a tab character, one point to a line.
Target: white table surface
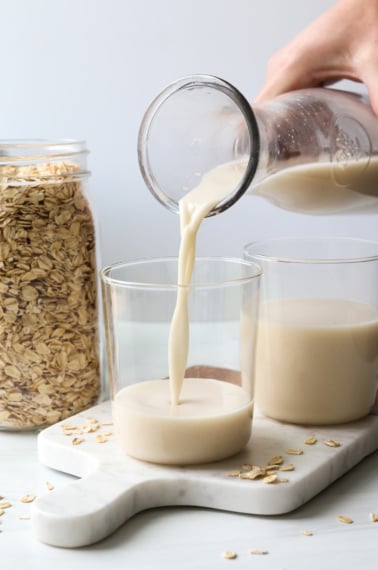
188	538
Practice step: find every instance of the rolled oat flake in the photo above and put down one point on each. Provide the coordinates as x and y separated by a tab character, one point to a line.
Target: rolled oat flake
49	349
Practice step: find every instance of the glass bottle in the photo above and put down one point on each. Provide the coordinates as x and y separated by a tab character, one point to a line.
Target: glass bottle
49	342
312	150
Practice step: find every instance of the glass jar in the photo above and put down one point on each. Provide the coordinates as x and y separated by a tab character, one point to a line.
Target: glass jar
313	151
49	335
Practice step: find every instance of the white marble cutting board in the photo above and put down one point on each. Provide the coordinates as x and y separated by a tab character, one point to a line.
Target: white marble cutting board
113	487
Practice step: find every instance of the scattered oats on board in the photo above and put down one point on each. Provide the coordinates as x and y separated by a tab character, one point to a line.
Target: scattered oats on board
24	517
344	519
1	512
286	467
77	440
229	555
101	438
91	428
68	427
332	443
49	486
28	498
5	505
292	451
253	473
271	479
276	460
268	473
92	420
374	517
310	440
307	533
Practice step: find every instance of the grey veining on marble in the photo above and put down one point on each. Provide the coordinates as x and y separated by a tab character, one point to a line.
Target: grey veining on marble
113	487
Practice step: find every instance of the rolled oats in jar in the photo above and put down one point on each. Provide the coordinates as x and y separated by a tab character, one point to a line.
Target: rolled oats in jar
49	341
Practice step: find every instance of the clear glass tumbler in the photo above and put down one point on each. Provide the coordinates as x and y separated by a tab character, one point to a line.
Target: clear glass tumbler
317	349
213	417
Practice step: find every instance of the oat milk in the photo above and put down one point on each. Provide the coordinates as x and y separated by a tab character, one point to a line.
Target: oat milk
323	188
212	421
316	360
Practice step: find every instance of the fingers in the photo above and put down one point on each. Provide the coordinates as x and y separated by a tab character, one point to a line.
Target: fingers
285	72
321	54
370	78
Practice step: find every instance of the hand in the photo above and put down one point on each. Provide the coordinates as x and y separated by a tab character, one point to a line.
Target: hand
341	44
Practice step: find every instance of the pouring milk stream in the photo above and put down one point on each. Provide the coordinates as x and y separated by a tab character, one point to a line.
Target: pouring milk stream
194	207
216	414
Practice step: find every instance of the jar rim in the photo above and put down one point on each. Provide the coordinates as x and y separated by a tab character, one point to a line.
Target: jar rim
28	150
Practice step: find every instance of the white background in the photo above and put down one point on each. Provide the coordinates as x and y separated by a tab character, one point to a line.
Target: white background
88	69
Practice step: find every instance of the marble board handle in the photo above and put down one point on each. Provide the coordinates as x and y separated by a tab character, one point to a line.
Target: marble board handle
91	508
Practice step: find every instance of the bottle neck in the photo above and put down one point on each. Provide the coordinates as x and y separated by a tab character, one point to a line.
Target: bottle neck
318	153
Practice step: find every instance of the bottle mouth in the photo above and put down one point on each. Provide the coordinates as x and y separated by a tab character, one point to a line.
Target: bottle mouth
196	124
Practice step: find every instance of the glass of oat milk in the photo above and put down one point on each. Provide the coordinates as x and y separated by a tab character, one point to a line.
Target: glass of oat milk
191	402
317	349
